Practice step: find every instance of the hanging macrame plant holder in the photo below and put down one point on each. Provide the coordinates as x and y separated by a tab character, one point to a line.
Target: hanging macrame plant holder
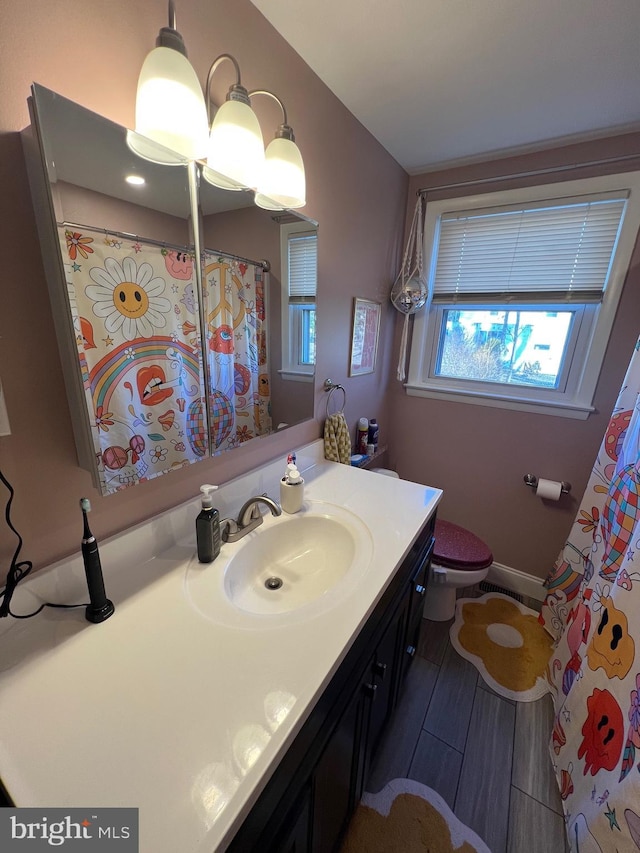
410	292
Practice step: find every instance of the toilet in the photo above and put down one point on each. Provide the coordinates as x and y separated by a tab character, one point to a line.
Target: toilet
460	558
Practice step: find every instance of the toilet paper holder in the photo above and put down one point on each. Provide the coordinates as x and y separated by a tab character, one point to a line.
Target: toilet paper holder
532	480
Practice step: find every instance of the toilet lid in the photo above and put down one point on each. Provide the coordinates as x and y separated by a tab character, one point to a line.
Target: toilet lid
458	548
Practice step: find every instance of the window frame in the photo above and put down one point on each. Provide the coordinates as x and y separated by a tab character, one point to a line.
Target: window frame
293	369
576	400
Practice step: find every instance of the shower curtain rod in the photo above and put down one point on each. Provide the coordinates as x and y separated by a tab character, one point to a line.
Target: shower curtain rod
531	173
265	264
125	235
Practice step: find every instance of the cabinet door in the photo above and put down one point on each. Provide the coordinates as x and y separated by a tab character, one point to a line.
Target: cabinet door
339	775
414	619
386	673
294	837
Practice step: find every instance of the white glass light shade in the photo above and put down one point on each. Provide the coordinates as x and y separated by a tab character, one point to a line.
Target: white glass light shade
283	182
236	149
170	108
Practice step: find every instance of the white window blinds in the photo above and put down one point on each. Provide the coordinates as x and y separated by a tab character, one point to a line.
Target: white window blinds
558	250
303	267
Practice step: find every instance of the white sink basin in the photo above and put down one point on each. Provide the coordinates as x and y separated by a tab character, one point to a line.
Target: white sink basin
290	564
298	562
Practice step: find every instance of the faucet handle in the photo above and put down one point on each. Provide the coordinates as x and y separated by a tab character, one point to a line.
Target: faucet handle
255	511
228	526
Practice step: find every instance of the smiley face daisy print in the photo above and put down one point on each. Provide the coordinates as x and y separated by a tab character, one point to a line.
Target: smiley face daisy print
135	315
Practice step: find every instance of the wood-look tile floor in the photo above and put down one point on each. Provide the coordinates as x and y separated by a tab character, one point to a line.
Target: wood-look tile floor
485	755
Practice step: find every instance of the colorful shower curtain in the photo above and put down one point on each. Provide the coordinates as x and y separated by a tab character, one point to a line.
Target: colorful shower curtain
592	609
134	310
240	398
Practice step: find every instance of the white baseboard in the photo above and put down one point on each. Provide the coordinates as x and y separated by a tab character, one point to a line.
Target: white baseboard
516	581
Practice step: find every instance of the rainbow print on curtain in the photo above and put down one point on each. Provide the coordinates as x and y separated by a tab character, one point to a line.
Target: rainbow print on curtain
592	610
240	399
135	315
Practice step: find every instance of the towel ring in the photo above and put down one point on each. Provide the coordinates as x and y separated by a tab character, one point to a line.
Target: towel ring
331	387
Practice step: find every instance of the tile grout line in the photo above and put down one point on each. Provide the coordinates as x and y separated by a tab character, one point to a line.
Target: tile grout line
513	754
535	799
455	800
426	711
435	684
522	791
448	745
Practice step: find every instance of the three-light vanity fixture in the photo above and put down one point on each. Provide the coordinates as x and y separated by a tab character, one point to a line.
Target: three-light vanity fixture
173	113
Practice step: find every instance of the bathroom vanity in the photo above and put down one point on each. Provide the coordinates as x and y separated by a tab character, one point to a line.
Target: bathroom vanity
233	720
307	803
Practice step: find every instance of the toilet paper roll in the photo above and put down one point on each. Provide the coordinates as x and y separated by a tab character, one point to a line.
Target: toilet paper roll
550	490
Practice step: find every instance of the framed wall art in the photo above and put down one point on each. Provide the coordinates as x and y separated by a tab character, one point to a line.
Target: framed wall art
364	340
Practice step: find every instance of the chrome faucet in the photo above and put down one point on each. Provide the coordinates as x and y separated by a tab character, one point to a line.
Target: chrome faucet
249	518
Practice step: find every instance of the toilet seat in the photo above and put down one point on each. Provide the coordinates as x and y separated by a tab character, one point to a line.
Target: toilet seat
458	548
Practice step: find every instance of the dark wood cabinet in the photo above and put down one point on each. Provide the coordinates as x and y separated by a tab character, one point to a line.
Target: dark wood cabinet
415	605
386	672
338	778
324	771
296	834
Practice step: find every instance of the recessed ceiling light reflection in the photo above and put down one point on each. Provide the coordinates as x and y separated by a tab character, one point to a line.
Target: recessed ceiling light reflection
212	791
135	180
248	745
277	706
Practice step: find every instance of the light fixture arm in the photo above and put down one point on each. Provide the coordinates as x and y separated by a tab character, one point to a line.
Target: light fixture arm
237	91
284	131
236	156
169	36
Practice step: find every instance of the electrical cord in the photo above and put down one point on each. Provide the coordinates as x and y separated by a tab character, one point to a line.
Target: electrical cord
19	570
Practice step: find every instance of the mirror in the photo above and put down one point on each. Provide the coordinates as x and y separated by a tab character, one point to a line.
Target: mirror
120	253
238	244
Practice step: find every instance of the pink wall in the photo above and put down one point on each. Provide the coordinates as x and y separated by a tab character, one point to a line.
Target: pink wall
92	53
478	454
83	206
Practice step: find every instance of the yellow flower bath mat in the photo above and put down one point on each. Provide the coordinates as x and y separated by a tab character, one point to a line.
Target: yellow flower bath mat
505	642
408	817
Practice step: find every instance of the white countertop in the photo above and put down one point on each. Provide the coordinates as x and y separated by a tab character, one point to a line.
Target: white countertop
171	706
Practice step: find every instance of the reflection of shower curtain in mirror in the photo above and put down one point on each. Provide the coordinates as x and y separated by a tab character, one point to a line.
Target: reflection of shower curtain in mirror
135	316
240	406
592	610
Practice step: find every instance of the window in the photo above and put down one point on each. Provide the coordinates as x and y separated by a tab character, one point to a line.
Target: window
299	249
525	285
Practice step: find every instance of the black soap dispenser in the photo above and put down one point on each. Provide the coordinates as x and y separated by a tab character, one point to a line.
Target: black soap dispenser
208	527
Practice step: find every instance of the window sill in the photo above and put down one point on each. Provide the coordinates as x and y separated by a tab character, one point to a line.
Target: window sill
563	409
296	376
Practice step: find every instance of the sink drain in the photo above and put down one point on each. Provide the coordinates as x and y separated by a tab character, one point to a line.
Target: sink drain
273	583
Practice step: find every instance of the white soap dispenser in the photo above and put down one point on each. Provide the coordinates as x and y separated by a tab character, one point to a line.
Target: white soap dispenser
291	489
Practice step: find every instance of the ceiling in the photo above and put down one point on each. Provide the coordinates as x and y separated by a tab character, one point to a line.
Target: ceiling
444	82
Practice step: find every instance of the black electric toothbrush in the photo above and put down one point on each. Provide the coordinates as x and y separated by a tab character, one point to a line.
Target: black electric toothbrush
100	608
